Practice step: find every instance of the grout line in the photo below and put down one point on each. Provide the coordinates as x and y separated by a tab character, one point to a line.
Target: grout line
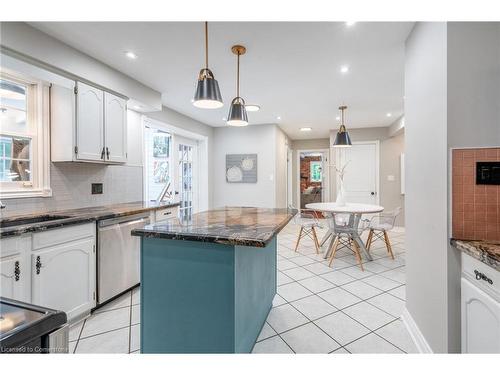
101	333
79	335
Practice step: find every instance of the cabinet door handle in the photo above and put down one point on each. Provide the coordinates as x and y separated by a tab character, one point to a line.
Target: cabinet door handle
38	265
482	276
107	152
102	153
17	270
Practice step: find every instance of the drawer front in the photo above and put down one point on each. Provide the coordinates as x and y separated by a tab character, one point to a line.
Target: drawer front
61	235
475	270
166	213
14	245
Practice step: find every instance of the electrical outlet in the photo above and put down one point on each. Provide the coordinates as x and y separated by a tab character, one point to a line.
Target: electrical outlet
97	188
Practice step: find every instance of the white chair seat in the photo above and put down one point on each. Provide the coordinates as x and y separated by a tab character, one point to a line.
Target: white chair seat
381	226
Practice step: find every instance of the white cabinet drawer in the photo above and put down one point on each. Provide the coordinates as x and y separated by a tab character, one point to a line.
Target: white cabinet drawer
14	245
166	213
475	269
61	235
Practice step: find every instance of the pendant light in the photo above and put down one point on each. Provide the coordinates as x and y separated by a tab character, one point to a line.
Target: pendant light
342	139
207	93
237	111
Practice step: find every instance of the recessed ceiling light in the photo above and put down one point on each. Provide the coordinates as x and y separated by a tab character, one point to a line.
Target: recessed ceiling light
350	23
389	114
278	118
252	107
131	55
306	129
344	69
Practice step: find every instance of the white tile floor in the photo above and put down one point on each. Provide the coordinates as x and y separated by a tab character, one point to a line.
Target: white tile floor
318	309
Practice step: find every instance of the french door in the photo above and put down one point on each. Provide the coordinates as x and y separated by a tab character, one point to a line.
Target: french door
186	175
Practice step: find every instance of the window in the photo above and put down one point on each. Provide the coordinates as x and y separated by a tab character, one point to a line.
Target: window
316	171
158	172
186	180
24	136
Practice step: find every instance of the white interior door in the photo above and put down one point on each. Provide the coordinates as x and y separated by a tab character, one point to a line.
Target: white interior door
361	172
186	175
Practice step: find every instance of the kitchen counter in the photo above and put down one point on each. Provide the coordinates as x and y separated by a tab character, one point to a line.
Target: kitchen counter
245	226
207	285
487	252
77	216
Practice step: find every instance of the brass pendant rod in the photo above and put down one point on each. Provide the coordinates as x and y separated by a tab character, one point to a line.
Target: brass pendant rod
238	77
206	44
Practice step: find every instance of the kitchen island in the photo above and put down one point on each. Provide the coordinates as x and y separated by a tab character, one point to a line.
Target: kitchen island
207	284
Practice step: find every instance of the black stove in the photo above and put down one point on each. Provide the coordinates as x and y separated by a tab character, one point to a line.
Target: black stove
26	328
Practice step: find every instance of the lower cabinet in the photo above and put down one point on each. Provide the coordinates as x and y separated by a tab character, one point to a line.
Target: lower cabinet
54	268
13	283
63	277
14	268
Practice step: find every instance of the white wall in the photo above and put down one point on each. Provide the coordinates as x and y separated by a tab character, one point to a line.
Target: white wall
452	96
20	39
426	181
282	143
473	120
257	139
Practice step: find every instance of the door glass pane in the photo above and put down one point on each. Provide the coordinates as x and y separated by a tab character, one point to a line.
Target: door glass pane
13	107
185	183
159	178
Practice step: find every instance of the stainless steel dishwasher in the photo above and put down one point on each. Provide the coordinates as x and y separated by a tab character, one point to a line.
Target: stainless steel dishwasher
118	255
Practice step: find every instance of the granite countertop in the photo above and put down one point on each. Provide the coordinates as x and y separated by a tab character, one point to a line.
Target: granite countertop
487	252
245	226
76	216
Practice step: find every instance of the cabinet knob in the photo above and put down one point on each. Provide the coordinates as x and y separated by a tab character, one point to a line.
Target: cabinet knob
17	271
38	265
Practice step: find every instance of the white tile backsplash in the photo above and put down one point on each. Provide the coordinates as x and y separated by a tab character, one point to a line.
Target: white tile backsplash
71	184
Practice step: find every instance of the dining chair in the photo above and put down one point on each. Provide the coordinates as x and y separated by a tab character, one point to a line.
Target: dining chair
308	222
379	226
343	234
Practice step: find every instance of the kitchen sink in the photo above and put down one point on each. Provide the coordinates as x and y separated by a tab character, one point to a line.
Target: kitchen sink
30	220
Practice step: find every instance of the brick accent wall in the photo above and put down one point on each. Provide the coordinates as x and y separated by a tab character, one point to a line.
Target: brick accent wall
305	172
475	208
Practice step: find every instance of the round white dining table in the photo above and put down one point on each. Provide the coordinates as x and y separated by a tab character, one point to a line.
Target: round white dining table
354	210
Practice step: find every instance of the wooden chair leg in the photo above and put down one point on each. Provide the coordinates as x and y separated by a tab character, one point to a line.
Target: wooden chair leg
388	244
334	250
369	240
316	242
358	254
298	239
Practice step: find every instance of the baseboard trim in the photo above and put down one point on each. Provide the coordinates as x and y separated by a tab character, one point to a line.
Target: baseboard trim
415	333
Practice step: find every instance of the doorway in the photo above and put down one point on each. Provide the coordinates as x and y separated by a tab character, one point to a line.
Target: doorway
313	178
361	178
186	155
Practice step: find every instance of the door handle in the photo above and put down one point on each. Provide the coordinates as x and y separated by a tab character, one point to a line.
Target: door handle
107	153
38	265
102	153
17	270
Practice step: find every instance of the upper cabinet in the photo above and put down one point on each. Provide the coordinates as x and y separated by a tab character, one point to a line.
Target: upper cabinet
88	125
115	131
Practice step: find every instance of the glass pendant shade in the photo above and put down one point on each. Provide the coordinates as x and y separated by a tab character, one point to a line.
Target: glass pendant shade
237	113
207	93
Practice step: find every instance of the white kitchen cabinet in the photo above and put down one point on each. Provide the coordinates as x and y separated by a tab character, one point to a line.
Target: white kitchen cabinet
13	281
480	307
115	118
14	268
63	277
88	125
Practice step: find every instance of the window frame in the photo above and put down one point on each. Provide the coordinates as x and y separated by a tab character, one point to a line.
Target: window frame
38	123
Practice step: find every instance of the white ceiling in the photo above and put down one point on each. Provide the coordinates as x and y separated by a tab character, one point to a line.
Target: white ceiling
291	69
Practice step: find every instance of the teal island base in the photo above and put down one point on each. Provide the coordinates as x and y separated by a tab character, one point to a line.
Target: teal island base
200	297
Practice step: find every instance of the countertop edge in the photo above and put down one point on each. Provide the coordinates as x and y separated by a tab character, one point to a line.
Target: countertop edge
468	248
77	219
211	238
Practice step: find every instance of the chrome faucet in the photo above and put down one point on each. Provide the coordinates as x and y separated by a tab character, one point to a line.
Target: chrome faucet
2	206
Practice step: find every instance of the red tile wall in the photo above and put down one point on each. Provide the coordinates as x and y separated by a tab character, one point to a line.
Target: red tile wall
475	208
